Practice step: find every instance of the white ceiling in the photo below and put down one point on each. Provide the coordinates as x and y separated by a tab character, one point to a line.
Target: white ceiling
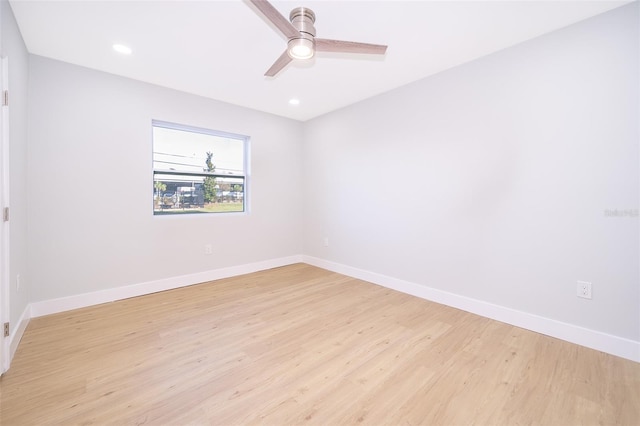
221	49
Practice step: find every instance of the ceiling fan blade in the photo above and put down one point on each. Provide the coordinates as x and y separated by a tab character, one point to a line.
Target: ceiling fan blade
325	45
272	14
277	66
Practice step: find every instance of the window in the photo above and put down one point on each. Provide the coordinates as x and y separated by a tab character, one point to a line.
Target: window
198	170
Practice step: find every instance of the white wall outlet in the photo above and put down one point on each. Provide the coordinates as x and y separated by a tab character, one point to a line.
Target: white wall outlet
326	241
584	289
18	284
208	249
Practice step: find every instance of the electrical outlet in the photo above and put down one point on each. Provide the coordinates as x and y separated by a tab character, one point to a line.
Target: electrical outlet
326	241
18	283
584	289
208	249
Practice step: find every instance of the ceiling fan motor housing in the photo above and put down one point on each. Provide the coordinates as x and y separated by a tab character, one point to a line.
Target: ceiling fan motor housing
302	19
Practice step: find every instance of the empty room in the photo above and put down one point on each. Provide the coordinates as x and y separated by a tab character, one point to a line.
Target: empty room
226	212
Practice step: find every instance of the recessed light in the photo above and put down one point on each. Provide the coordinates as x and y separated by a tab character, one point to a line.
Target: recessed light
294	101
121	48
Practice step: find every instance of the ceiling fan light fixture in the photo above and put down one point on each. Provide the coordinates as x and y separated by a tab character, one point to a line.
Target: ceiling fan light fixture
301	48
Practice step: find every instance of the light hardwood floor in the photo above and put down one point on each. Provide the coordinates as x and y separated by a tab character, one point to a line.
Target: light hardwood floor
300	345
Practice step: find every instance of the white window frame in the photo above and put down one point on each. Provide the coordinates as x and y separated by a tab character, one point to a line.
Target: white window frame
194	129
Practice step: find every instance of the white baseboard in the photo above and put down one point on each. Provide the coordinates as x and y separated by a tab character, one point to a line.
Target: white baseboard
604	342
62	304
18	331
614	345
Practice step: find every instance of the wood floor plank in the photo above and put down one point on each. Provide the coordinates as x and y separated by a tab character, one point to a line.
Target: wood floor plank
301	345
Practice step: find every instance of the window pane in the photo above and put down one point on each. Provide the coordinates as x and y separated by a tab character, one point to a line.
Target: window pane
197	172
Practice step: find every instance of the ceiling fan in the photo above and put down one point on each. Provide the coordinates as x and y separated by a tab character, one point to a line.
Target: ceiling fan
301	34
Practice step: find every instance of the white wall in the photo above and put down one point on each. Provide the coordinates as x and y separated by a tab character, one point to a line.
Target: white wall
491	180
14	49
90	185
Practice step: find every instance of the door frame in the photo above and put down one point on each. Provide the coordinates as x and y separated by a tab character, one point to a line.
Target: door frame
4	225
